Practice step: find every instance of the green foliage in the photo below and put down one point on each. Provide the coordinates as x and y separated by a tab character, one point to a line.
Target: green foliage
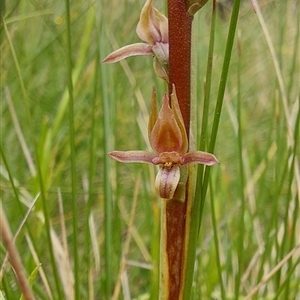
250	222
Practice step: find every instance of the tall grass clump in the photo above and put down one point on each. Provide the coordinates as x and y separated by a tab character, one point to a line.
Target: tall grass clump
75	224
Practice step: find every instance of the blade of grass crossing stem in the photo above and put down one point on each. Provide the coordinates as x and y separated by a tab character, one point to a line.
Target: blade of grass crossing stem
38	166
73	154
195	217
203	137
221	90
107	188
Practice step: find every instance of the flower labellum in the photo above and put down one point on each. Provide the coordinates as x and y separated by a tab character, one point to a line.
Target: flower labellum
166	181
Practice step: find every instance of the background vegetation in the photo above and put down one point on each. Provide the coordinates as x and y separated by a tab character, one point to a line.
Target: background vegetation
95	222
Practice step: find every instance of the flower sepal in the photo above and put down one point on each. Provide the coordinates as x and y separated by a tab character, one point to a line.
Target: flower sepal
133	156
127	51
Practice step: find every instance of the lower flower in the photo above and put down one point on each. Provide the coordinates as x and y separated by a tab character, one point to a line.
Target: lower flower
169	141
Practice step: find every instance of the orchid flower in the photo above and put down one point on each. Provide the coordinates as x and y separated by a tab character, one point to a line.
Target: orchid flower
152	29
168	138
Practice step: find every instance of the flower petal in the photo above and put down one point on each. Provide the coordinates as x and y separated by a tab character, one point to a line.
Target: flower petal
146	29
166	181
127	51
179	120
153	112
166	135
199	157
163	26
133	156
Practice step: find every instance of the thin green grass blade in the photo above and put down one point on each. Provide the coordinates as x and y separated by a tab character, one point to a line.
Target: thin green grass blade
196	210
216	240
240	246
11	180
76	71
108	204
201	186
287	222
287	281
9	294
221	90
72	153
91	171
295	61
32	278
199	198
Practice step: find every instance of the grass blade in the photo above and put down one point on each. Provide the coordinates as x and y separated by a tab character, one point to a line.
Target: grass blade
72	152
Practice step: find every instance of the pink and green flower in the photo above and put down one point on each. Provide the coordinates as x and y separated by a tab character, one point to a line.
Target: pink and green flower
168	139
153	30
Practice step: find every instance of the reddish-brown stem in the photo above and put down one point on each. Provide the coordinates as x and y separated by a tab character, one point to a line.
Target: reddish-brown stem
180	24
175	228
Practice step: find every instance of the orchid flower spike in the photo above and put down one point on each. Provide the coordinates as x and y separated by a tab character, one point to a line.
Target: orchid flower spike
152	29
168	138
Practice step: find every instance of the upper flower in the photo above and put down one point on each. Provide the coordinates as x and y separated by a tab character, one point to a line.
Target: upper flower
168	138
152	29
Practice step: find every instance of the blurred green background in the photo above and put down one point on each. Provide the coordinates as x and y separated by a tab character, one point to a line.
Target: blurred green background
112	247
